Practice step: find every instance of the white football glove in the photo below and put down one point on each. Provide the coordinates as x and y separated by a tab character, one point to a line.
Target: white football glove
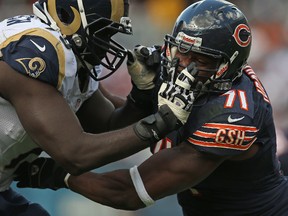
142	64
176	92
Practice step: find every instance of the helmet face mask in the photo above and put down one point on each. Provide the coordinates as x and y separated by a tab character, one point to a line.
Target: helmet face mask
89	26
98	47
216	29
207	62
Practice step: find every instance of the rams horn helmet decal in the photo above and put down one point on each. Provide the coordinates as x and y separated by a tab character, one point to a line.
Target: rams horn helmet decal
69	28
88	27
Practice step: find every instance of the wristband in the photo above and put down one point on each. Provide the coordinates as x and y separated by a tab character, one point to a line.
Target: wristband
139	187
66	179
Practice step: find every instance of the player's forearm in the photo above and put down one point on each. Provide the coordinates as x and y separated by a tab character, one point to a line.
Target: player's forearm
126	115
100	149
79	152
114	189
116	100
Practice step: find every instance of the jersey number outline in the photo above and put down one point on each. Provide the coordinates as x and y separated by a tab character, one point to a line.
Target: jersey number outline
231	97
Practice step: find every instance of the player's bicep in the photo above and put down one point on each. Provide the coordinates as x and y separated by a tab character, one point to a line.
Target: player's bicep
173	170
41	109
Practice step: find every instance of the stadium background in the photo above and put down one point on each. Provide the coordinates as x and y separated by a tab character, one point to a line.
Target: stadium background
151	20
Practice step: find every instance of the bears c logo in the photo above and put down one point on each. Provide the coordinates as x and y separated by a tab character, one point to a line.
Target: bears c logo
236	35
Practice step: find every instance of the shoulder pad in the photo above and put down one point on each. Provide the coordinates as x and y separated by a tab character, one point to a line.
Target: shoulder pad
38	54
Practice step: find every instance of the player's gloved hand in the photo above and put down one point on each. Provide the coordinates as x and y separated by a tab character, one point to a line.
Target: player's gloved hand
143	65
41	173
154	127
176	91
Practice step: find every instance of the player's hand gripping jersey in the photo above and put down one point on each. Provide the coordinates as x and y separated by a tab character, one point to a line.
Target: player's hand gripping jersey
228	125
43	54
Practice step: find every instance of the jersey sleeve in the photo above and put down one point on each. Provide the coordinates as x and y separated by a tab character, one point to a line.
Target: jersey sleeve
226	134
37	56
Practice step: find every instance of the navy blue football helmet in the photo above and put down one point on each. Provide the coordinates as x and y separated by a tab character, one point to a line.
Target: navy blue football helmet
88	26
217	29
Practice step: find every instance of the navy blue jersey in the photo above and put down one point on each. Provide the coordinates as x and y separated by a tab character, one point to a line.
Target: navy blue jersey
227	125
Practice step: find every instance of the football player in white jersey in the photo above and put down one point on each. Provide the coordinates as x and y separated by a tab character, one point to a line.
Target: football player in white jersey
50	67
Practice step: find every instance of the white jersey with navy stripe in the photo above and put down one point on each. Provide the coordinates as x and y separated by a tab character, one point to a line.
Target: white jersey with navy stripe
32	48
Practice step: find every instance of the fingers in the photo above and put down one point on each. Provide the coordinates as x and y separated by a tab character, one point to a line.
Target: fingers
131	58
150	55
185	79
141	51
154	58
21	170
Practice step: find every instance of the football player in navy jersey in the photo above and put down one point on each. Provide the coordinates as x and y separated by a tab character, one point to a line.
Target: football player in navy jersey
222	161
50	98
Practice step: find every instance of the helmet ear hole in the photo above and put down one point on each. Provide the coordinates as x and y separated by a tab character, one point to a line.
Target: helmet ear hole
64	15
244	35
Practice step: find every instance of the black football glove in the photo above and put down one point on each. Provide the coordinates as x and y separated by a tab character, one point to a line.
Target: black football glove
154	127
41	173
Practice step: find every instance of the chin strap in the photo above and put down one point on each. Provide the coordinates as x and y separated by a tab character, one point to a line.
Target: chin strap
82	14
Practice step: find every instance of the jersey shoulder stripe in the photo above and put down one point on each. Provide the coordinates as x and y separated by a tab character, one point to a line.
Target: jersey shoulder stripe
229	136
